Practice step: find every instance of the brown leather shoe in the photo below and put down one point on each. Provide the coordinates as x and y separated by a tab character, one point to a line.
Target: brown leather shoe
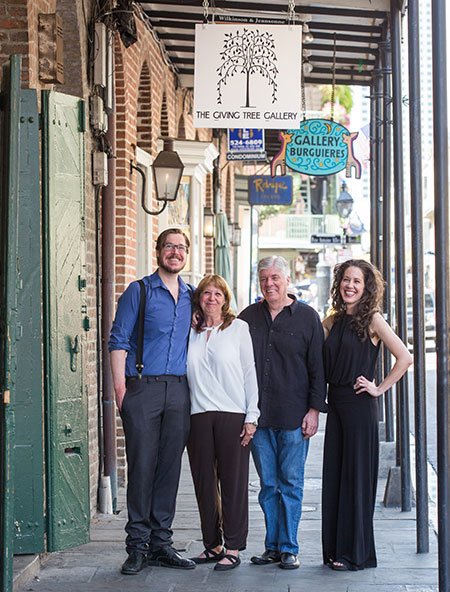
269	556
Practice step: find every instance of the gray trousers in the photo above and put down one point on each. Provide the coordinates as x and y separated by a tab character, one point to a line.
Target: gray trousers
155	414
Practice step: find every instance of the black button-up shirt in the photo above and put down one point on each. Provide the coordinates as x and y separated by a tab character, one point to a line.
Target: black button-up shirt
289	363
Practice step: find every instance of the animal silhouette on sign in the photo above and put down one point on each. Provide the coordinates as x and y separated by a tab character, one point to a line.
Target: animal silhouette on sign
279	160
352	162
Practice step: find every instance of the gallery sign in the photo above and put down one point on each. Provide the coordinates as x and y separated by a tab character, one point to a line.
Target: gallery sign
247	76
318	147
266	190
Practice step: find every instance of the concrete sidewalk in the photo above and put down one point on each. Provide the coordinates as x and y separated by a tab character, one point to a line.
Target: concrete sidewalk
96	566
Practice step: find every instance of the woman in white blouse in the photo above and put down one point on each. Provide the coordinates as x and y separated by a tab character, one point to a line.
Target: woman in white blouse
224	415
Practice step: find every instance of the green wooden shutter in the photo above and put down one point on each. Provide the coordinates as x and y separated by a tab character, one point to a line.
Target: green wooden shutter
29	517
65	307
9	162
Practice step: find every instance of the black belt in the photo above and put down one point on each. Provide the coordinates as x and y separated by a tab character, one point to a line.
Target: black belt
161	378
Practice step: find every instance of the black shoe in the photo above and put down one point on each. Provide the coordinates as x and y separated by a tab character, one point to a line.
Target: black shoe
289	561
168	557
134	564
269	556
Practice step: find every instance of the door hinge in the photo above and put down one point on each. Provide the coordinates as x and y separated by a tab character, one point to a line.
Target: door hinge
81	283
86	323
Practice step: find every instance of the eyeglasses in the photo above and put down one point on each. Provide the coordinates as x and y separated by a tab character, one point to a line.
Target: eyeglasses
179	248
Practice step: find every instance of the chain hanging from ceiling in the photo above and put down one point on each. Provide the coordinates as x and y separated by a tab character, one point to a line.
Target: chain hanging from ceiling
205	5
291	11
333	83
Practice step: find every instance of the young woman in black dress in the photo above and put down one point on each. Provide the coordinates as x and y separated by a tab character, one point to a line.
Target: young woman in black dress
353	335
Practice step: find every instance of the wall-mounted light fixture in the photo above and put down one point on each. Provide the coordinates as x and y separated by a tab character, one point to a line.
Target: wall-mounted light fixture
208	223
234	234
236	240
167	170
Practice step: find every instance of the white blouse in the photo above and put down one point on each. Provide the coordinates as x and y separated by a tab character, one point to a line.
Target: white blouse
221	371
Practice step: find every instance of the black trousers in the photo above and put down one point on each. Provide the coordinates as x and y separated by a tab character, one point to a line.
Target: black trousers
350	475
155	414
219	466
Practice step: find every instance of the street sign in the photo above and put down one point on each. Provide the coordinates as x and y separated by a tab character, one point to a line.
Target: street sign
353	239
326	239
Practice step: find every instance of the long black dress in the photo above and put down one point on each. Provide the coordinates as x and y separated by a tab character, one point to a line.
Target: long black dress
350	464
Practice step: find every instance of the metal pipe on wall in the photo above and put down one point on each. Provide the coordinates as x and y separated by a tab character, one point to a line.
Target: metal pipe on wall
415	143
400	276
387	264
441	216
108	305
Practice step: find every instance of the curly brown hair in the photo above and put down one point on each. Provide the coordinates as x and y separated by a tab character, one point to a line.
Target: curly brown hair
370	301
218	282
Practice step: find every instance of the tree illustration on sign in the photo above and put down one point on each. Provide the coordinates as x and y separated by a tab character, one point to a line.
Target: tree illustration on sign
248	52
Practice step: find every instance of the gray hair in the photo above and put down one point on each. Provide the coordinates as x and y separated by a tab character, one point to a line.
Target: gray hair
276	261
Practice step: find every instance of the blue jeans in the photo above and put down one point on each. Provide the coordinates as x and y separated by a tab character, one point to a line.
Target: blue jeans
280	457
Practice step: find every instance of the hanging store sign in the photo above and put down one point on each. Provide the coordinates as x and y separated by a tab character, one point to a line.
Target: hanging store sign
266	190
247	75
245	140
246	144
318	147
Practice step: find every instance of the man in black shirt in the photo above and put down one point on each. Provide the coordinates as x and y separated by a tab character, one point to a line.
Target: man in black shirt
287	341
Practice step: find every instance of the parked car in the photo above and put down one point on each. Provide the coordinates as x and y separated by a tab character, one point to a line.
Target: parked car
430	320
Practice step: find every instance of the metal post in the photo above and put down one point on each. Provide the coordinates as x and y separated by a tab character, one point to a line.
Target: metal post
373	166
400	279
415	135
441	214
387	264
379	161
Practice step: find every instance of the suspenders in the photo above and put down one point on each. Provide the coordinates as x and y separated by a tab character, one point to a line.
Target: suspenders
141	315
140	335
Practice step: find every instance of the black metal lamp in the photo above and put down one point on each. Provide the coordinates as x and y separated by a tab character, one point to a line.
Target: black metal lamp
167	170
344	203
208	223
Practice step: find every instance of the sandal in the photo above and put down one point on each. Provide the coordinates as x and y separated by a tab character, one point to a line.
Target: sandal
338	566
235	561
210	557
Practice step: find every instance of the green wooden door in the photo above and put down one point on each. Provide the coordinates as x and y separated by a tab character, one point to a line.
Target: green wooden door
64	309
29	446
9	163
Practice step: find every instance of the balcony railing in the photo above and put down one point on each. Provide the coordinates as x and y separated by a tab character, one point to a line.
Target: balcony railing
295	230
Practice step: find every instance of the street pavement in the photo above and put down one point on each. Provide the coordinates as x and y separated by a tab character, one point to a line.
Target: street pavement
95	567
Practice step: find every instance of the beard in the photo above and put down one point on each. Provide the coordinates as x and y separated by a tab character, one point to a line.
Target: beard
168	269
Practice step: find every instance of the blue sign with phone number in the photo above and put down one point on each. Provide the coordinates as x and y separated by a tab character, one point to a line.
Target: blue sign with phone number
245	140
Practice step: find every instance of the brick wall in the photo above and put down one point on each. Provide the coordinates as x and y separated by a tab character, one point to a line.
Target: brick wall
19	35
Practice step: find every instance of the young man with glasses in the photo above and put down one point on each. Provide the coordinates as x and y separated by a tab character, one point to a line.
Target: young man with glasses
154	403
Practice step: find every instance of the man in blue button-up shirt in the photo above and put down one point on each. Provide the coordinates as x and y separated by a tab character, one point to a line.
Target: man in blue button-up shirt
155	408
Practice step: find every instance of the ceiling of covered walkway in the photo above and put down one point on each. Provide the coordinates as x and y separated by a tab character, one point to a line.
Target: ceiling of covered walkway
348	31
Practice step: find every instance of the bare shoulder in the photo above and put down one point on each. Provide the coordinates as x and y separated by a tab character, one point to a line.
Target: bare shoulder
378	325
327	324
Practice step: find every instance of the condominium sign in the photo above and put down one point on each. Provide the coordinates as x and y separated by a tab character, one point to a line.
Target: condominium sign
247	76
